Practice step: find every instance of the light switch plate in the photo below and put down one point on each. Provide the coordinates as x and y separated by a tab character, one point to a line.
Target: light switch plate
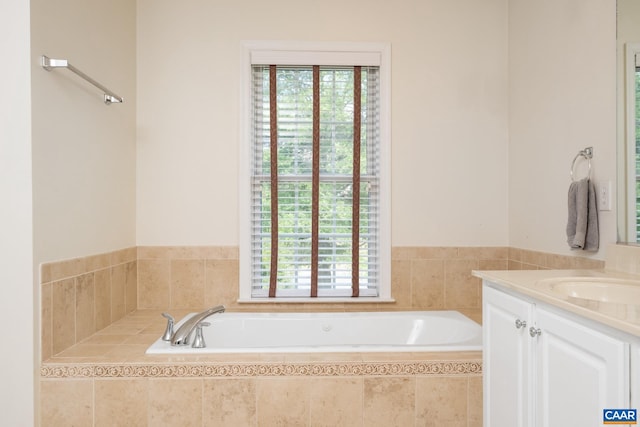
604	196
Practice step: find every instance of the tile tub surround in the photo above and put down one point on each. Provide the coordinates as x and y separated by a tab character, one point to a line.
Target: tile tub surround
361	400
83	295
108	380
84	383
423	278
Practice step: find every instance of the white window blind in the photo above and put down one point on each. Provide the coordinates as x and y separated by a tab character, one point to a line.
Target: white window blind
294	92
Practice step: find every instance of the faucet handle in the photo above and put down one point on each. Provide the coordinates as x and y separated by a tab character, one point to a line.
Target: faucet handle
168	332
198	341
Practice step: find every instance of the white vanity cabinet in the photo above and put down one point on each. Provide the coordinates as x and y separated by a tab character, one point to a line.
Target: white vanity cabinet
507	360
546	367
635	375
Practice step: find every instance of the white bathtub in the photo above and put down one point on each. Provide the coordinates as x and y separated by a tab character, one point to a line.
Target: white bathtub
333	332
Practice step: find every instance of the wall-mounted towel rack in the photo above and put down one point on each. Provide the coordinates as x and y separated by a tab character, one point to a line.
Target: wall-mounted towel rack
587	153
49	64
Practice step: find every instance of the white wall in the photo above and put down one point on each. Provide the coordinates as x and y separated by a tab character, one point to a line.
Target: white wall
17	358
449	103
562	99
83	150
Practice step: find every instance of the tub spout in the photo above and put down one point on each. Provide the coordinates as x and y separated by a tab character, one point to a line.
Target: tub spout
182	334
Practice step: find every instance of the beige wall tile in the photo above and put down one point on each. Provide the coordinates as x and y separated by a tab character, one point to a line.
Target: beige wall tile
124	256
401	282
188	252
534	257
328	307
131	287
515	254
400	253
560	261
154	278
427	284
531	267
514	265
229	402
118	286
422	252
221	282
283	401
389	401
441	400
68	268
46	322
462	290
187	283
483	252
181	276
97	262
102	279
45	273
336	402
63	314
221	252
493	264
474	400
474	314
85	312
175	402
153	252
185	252
121	402
436	252
65	403
587	263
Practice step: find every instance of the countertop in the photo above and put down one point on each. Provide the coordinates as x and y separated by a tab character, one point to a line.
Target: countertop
621	315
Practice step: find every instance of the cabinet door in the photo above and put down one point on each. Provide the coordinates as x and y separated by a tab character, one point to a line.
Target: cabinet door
507	361
635	375
579	372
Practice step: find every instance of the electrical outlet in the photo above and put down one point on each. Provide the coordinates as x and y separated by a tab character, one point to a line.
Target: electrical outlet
604	196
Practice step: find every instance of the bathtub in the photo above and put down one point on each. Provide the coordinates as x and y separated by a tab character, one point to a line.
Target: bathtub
404	331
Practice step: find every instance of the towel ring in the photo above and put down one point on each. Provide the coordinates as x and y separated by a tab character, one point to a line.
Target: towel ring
587	153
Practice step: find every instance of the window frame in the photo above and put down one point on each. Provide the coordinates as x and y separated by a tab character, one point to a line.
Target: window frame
631	51
315	53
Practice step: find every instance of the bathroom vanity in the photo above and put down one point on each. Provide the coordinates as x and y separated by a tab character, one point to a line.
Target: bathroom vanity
559	347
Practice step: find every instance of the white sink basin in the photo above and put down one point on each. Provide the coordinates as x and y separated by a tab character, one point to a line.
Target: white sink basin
618	291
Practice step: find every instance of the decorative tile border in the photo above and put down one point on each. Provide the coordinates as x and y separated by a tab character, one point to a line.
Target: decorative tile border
435	367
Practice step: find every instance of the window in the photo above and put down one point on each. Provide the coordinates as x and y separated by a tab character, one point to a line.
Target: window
315	181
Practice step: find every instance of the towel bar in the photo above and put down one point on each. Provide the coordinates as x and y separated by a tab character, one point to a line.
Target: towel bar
587	153
49	64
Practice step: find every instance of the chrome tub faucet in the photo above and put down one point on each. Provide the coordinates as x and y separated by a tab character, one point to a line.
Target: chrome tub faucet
182	334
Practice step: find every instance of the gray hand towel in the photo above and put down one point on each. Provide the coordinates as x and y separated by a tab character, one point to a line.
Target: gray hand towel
582	224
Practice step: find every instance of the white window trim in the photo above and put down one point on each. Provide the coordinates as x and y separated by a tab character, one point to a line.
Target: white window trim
315	53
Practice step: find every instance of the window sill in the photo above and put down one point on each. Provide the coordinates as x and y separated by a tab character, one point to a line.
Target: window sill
359	300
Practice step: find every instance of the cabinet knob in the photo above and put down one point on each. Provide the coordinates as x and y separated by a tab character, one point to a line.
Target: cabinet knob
521	323
534	332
